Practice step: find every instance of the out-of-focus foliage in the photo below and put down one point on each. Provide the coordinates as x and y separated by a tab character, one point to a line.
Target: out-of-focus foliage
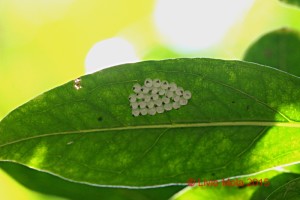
10	189
284	186
292	2
293	169
53	185
279	49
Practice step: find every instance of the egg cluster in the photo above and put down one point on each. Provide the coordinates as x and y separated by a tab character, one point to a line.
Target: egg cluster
157	96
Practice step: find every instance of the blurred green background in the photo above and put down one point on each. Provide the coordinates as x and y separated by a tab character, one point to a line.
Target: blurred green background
45	43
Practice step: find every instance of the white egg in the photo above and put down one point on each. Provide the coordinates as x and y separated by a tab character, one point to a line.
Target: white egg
158	102
164	85
172	87
170	94
176	105
135	112
183	101
145	90
150	104
140	96
132	98
187	94
165	100
168	106
154	90
148	82
160	109
154	97
152	111
161	92
176	98
156	83
134	105
137	88
144	111
147	98
179	91
142	104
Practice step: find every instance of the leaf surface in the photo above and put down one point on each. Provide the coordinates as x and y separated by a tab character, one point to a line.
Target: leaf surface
242	118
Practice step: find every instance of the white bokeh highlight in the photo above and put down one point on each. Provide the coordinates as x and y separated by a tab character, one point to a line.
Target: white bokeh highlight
110	52
192	25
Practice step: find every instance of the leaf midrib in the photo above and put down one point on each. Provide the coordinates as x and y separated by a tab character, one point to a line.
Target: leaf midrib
163	126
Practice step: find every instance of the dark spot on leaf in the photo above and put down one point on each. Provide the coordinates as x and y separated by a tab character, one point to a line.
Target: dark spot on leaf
242	186
100	119
247	107
213	174
233	102
268	53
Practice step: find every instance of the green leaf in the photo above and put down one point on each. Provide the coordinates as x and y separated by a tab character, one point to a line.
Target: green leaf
280	49
258	186
219	192
53	185
283	186
202	192
242	118
231	191
293	169
292	2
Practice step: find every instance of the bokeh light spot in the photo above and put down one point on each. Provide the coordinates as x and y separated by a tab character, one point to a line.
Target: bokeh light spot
193	25
110	52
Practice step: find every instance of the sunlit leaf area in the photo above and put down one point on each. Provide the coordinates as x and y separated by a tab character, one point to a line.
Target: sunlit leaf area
46	44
